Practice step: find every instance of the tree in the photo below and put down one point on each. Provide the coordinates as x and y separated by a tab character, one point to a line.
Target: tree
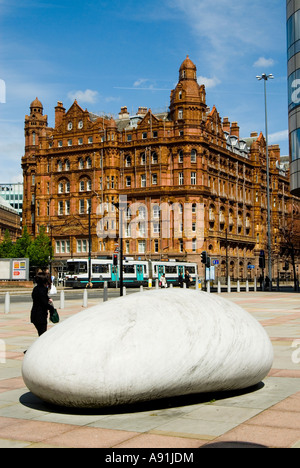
7	248
40	250
22	245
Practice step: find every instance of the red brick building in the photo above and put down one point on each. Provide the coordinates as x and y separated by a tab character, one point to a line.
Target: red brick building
210	181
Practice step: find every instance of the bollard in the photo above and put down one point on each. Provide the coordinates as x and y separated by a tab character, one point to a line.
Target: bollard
156	283
105	295
62	299
255	284
171	285
124	290
141	288
184	285
238	286
229	285
85	298
208	287
219	287
247	286
7	303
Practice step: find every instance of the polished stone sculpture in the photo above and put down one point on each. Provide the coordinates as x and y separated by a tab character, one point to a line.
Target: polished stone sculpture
146	346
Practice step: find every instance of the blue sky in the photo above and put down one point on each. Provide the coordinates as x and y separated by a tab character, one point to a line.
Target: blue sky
113	53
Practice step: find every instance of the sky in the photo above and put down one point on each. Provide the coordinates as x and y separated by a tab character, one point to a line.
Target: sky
113	53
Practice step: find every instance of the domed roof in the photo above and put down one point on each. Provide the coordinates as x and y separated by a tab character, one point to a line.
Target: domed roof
36	103
187	64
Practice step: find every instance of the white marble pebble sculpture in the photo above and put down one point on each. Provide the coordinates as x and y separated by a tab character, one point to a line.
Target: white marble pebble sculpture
145	346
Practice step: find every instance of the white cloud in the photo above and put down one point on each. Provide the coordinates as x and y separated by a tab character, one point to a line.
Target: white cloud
140	82
88	96
229	31
278	136
208	82
263	62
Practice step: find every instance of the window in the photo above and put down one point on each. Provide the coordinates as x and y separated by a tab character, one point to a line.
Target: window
59	166
60	143
60	208
80	141
143	180
69	142
154	158
144	135
127	161
194	206
67	207
90	140
89	185
128	181
193	156
81	186
88	163
142	212
180	181
67	165
180	113
70	126
81	245
156	211
60	187
154	179
193	178
141	246
156	245
156	228
80	124
180	157
80	163
67	187
81	206
143	159
155	134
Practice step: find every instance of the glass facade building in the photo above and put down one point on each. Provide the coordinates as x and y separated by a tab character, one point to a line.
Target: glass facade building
13	194
293	56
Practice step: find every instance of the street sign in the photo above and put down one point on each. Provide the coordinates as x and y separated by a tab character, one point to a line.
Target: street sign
215	262
251	267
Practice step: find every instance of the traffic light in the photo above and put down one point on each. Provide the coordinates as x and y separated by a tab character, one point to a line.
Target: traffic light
115	259
208	262
204	257
262	260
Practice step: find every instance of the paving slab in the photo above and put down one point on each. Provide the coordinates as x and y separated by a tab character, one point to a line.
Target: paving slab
268	414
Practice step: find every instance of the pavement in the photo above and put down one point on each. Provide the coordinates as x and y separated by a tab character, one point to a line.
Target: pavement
265	416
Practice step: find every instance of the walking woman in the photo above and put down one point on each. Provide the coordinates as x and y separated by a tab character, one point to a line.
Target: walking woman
41	303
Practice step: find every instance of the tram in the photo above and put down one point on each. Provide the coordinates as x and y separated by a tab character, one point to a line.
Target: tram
135	272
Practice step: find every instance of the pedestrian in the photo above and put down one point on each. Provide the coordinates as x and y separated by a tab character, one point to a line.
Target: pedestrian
187	278
163	281
41	303
267	282
180	280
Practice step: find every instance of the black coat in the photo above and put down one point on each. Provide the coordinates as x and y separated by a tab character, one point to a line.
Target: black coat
40	307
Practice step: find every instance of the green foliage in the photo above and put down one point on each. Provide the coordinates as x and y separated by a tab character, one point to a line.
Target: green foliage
7	247
22	245
39	251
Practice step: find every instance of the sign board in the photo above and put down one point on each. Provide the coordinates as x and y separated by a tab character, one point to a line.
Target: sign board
14	269
251	267
215	262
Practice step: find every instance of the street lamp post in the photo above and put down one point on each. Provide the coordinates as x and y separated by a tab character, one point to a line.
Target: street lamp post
266	77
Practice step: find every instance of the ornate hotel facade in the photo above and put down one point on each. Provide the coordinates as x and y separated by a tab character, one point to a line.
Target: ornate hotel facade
210	181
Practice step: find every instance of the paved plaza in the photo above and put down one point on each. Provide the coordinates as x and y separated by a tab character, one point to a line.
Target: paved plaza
268	414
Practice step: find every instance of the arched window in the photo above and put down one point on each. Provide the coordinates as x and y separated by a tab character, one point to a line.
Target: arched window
88	162
59	166
80	163
127	160
193	156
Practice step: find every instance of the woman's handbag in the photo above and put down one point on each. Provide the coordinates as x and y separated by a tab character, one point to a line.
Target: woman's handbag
54	317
